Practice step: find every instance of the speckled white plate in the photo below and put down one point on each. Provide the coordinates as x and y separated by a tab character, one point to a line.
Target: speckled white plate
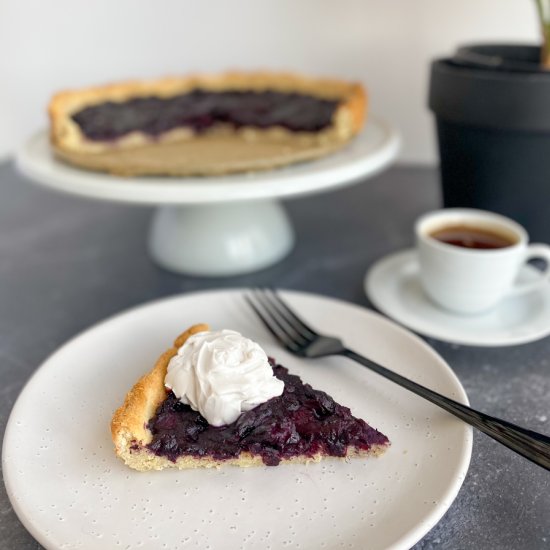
70	491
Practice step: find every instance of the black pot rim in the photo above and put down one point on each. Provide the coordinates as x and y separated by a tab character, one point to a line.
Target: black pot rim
495	99
500	56
486	74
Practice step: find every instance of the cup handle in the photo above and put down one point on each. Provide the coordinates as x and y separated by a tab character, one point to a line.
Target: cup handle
535	251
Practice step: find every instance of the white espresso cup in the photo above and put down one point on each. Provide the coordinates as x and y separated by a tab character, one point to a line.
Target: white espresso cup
473	280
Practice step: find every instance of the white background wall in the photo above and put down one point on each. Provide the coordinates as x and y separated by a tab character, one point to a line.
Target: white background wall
46	45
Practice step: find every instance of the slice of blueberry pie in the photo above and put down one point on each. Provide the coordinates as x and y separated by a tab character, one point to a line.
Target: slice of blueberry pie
205	125
215	399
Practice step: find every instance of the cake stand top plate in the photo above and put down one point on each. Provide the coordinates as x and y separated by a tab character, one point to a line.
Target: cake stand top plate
374	149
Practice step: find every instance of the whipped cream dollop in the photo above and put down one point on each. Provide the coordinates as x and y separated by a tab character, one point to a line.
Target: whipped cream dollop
221	374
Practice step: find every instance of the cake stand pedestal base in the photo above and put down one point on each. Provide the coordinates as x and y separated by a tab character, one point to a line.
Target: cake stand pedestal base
220	239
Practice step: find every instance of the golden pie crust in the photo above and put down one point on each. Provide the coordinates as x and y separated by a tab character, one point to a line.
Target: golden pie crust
220	150
130	434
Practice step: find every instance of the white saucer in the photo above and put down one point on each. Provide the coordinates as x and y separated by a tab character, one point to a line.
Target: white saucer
393	286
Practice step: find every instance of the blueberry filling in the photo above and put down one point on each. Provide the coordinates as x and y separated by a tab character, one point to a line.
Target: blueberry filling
201	109
302	421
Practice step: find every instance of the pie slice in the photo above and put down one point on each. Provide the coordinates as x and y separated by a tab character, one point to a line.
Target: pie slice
205	125
154	430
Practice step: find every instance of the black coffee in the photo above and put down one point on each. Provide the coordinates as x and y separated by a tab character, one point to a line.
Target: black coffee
467	236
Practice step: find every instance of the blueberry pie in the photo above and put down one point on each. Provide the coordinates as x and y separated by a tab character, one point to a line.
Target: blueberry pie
215	399
205	125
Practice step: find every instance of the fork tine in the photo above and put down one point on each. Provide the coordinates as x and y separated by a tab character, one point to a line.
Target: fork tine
284	310
279	319
273	326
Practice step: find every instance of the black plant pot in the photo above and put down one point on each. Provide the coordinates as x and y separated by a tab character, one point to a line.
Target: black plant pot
492	110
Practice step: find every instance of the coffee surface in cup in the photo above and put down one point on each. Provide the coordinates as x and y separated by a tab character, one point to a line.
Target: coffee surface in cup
467	236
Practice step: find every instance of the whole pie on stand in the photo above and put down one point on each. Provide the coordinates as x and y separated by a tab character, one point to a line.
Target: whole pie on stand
205	125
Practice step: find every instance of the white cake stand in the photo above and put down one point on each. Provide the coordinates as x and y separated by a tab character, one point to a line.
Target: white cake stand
218	226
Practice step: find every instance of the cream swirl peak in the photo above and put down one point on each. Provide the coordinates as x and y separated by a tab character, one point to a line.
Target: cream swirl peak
221	374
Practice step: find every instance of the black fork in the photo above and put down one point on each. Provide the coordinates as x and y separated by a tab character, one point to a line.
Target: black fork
300	339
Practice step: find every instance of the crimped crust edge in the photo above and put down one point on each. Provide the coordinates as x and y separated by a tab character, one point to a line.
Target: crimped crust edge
128	426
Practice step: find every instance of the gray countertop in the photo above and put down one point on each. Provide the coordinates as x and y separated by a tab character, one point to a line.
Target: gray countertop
66	263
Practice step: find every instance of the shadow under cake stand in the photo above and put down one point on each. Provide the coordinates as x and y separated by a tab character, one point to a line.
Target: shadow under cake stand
218	226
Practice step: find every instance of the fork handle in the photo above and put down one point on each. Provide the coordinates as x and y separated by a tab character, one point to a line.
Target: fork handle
532	445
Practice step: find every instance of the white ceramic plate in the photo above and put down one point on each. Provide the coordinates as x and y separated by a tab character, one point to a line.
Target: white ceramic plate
393	286
70	491
374	149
